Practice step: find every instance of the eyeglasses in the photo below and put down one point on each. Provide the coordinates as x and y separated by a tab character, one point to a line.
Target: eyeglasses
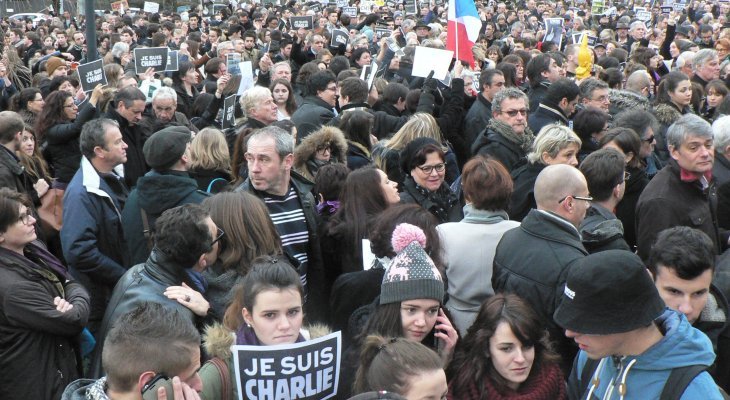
513	113
428	169
218	238
584	198
332	88
25	217
650	139
324	147
602	99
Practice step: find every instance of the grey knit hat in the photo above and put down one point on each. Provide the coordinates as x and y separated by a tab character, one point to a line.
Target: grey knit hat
411	274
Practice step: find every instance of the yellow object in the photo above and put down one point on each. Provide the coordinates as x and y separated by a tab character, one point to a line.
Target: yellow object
585	61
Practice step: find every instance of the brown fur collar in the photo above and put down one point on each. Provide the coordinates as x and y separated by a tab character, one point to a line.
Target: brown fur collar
308	147
217	339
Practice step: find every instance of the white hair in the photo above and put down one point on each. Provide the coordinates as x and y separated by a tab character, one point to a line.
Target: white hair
119	49
721	130
165	93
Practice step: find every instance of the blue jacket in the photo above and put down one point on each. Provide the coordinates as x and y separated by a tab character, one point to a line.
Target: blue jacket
645	374
92	237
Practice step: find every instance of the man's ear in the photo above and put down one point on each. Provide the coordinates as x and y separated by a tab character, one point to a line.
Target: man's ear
144	378
289	161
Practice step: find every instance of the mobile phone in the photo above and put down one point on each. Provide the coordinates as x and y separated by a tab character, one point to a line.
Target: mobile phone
149	391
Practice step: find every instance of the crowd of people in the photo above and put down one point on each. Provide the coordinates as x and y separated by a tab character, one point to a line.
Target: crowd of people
550	222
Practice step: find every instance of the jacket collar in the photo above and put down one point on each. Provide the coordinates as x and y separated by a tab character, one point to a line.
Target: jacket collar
476	216
11	160
356	106
556	111
91	180
484	101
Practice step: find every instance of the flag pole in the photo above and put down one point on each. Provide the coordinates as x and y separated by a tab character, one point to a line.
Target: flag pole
456	34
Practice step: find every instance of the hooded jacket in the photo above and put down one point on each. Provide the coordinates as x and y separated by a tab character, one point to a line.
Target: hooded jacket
622	100
311	115
644	375
217	343
493	143
304	161
714	321
156	192
601	230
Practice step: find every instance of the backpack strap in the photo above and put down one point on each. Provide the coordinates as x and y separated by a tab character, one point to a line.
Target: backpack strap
589	368
678	381
225	375
146	229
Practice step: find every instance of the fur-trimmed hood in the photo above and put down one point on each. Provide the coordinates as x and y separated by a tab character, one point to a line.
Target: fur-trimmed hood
622	100
666	114
306	150
217	339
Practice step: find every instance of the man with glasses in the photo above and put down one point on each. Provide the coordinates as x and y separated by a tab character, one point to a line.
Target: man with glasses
186	243
491	81
594	93
167	185
317	109
533	259
683	192
606	177
507	137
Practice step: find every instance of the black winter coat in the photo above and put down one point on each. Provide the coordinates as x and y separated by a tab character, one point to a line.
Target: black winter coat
626	208
411	195
62	150
667	201
490	143
38	344
533	261
311	115
523	195
546	115
134	137
477	119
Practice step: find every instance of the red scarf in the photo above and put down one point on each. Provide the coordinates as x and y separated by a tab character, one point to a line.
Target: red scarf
548	384
689	176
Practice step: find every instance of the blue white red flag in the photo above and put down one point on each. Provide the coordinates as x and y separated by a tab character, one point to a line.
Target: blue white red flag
463	29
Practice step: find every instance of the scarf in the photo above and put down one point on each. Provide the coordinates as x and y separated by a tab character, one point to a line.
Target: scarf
442	199
97	391
328	207
548	384
524	140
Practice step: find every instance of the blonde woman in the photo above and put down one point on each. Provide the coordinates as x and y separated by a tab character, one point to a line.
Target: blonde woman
386	154
210	162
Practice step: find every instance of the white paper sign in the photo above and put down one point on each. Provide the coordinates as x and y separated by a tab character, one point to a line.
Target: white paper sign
427	59
367	255
151	7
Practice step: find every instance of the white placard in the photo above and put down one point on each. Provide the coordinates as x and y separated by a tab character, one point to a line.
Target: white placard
427	59
151	7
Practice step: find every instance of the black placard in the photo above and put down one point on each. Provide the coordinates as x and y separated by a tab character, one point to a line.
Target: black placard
307	370
339	37
172	61
382	32
351	11
153	57
229	111
306	22
91	74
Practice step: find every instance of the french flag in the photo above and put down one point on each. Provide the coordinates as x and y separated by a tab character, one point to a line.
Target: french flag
463	29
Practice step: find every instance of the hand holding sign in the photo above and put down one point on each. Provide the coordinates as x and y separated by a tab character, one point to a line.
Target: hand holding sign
221	84
96	94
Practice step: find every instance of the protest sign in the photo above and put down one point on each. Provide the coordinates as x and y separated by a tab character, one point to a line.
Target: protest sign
246	68
428	59
642	14
152	57
598	7
149	87
577	38
679	5
366	6
351	11
381	32
554	30
91	74
410	7
342	3
666	10
316	7
306	22
339	37
120	5
233	61
308	370
229	111
172	61
151	7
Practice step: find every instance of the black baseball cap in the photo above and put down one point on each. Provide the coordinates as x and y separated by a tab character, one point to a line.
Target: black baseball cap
608	292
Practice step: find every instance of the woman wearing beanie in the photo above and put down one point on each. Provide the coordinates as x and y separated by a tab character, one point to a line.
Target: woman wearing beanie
424	163
506	355
409	306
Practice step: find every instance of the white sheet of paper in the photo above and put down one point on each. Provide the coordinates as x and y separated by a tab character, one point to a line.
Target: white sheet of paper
428	59
246	77
367	255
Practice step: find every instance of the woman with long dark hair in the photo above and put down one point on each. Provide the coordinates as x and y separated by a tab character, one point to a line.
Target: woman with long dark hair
506	355
283	94
674	95
59	126
28	103
357	126
184	81
366	193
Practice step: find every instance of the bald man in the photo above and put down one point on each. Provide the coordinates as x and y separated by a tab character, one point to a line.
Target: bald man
533	260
